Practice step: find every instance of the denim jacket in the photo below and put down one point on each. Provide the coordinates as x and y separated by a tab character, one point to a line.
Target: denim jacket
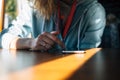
85	30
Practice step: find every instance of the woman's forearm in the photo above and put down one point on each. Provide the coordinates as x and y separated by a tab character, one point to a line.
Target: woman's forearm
21	43
44	41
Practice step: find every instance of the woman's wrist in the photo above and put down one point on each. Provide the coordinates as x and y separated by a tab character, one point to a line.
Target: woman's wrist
13	44
21	43
31	43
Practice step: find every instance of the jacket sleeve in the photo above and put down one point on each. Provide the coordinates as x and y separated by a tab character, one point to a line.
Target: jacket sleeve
95	23
20	27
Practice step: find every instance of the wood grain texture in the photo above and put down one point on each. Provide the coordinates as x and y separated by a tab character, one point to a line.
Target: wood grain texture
95	64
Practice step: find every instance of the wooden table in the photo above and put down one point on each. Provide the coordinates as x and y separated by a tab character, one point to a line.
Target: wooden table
95	64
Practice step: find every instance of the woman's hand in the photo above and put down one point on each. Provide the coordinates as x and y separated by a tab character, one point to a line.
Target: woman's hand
46	41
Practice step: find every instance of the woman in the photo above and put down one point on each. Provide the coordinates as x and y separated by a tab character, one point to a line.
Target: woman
56	24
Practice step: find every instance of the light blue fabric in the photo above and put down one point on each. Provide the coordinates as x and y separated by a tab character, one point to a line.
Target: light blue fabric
85	31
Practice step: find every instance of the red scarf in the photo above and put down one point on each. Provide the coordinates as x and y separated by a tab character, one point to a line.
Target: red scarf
69	18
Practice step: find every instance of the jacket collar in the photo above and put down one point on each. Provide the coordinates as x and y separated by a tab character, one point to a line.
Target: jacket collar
84	1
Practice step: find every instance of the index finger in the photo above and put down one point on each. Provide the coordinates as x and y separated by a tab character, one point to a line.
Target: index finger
55	39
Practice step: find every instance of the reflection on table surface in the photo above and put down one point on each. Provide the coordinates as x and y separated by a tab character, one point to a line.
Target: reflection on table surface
95	64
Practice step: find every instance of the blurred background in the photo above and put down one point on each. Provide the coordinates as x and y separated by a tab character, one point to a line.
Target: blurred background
10	11
11	8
